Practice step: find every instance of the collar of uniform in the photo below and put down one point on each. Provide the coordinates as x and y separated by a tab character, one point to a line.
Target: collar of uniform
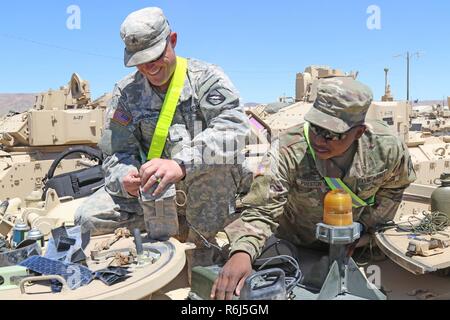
364	163
337	168
148	90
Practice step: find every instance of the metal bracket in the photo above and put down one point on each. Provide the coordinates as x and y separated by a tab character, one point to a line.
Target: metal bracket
338	235
43	278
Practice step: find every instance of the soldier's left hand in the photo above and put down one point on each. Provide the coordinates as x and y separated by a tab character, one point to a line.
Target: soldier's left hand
161	171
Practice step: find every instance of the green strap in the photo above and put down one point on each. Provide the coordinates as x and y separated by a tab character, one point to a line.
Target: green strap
335	183
168	110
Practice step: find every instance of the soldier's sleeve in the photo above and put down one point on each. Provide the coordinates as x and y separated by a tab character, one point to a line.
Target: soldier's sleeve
389	196
119	145
264	205
225	125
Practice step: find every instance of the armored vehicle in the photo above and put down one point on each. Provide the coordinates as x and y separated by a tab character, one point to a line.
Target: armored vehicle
31	140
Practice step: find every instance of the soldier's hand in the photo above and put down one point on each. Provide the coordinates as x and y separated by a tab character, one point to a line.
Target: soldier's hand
132	182
161	171
232	277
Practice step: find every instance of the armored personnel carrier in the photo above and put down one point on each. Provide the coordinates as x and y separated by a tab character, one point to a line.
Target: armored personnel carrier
32	143
31	140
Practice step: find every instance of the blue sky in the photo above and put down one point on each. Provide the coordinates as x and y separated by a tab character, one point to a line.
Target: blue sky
261	45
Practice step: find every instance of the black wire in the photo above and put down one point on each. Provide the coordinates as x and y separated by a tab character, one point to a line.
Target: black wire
290	281
291	265
50	45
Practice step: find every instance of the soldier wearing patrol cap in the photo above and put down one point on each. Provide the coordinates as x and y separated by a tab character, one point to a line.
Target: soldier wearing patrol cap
162	120
286	198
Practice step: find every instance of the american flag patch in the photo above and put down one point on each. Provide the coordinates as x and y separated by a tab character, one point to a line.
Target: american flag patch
121	117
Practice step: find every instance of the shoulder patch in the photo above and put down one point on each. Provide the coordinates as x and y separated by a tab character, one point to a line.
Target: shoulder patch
121	117
215	98
292	136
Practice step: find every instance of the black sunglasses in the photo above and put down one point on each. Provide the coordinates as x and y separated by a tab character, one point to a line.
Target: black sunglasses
327	134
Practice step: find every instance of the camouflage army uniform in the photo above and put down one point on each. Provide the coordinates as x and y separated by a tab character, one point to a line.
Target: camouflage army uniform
286	198
207	118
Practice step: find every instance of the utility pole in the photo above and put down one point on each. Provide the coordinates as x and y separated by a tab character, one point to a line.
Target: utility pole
408	59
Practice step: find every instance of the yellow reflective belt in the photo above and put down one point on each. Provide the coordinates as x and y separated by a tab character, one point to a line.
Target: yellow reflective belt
335	183
168	110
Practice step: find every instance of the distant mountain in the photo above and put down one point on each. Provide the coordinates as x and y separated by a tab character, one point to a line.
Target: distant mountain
16	101
429	102
251	104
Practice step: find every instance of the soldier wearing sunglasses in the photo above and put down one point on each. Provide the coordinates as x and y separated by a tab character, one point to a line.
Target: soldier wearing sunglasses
286	197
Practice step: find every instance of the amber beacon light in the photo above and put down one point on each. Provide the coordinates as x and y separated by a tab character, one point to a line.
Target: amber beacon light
344	280
337	208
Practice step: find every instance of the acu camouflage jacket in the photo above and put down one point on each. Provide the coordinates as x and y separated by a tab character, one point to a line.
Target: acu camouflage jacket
208	116
287	198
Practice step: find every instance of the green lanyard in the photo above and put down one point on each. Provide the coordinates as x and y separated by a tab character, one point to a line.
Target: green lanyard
335	183
168	110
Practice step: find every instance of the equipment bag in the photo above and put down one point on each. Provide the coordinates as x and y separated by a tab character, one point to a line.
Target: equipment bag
79	183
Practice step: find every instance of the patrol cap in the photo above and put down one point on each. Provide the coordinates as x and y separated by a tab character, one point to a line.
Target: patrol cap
144	33
341	104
